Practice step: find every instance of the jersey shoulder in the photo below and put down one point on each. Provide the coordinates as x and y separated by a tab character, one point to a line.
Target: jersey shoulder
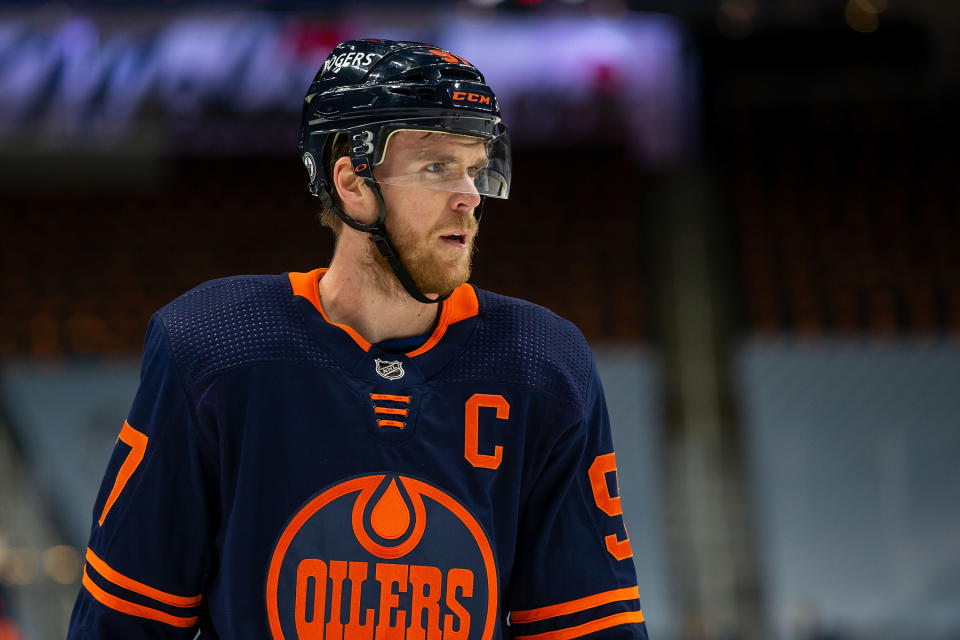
519	342
230	322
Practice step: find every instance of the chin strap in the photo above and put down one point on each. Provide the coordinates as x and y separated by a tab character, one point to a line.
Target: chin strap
379	237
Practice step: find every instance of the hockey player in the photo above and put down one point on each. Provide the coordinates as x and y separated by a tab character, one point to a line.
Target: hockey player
377	450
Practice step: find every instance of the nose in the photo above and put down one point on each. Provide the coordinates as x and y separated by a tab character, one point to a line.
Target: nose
466	195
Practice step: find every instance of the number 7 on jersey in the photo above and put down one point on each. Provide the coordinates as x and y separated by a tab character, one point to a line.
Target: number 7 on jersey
137	442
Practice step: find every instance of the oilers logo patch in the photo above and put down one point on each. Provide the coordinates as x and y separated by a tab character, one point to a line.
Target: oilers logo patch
382	557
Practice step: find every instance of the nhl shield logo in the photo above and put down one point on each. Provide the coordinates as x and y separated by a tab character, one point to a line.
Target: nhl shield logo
389	369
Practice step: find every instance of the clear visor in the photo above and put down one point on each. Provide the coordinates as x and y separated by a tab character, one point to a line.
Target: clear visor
455	159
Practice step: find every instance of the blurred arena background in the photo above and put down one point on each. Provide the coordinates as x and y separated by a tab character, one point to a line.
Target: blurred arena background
750	208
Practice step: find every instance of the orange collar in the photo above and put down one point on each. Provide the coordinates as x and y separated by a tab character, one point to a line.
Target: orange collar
461	304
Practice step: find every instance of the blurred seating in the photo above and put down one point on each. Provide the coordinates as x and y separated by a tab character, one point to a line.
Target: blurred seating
846	219
84	268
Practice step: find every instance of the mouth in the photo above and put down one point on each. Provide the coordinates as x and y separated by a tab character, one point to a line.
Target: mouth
458	239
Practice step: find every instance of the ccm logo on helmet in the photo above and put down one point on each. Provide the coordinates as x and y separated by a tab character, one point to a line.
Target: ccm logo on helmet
352	59
466	96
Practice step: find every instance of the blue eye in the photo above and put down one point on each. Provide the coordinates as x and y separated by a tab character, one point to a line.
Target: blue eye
435	167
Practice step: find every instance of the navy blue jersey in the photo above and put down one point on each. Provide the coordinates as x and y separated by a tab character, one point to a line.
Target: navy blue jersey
280	477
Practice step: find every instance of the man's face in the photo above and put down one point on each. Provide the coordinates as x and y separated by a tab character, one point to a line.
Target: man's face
427	183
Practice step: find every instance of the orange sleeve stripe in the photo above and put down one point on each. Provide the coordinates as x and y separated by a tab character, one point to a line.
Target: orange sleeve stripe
573	606
130	584
626	617
395	412
384	396
390	423
130	608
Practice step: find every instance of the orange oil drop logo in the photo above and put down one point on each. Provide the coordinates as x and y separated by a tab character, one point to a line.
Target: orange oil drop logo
394	515
390	517
324	585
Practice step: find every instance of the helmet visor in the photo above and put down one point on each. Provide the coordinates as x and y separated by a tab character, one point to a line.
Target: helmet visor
456	155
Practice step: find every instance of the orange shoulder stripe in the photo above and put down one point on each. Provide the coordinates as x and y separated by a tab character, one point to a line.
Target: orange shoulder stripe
573	606
130	608
589	627
130	584
390	423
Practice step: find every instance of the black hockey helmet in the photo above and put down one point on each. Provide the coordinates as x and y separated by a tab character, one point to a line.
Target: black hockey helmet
369	89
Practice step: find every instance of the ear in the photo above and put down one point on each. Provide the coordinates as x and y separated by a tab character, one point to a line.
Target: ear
358	200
